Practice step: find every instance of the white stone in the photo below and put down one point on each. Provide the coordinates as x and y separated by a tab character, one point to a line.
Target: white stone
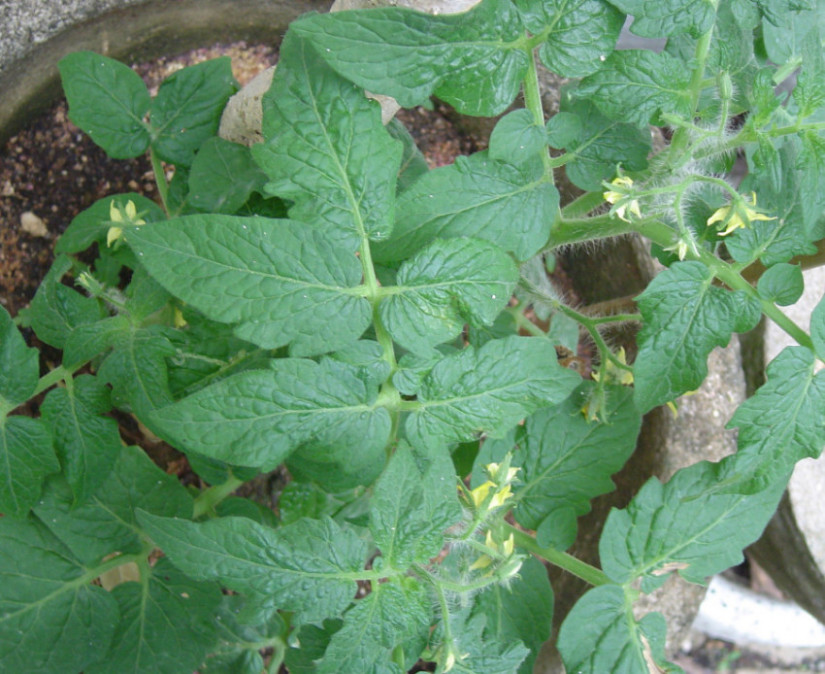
33	225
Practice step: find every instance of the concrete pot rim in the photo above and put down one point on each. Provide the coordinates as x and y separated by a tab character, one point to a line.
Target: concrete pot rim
134	30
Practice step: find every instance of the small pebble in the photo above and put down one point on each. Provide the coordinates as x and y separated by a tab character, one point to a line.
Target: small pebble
32	224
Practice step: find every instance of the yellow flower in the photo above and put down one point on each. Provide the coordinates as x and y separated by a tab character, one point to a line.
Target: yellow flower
126	216
621	197
479	494
613	372
737	215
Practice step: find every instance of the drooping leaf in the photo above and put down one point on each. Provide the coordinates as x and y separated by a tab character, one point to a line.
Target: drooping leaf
26	458
280	281
257	418
671	17
781	424
600	144
637	86
473	60
521	611
413	505
685	316
167	625
308	567
685	525
387	617
223	176
781	283
19	367
326	149
566	460
108	100
450	282
579	34
87	443
516	137
188	107
488	390
92	225
57	309
476	197
106	523
600	635
48	606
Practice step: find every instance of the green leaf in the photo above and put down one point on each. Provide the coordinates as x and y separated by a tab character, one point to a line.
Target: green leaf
19	366
474	60
684	525
108	100
781	283
787	33
567	460
57	309
92	225
258	418
482	655
781	424
280	281
312	641
26	457
637	86
563	128
521	611
809	92
368	357
387	617
488	390
308	567
92	339
223	176
326	149
52	619
685	316
87	443
818	329
600	635
668	17
450	282
167	625
475	197
188	107
106	522
596	144
579	34
412	505
413	163
516	137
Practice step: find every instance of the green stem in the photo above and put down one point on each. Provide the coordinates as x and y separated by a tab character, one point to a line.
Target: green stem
209	498
580	230
60	373
532	100
160	179
278	652
582	205
578	568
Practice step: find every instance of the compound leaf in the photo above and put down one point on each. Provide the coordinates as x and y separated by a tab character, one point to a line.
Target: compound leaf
667	18
685	525
326	149
600	635
280	281
387	617
449	281
188	107
567	460
27	457
223	177
685	316
167	625
580	34
257	418
521	611
19	366
108	100
637	86
309	566
781	424
86	442
412	505
48	606
472	60
488	390
476	197
106	523
516	138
